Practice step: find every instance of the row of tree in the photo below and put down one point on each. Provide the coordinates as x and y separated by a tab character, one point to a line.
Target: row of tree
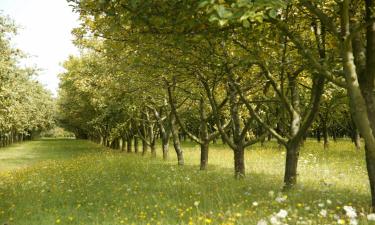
26	108
239	70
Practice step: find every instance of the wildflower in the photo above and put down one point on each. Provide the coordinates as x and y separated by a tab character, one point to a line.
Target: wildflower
329	202
323	212
371	217
281	199
196	203
255	204
353	221
282	213
274	220
238	214
208	220
350	211
271	193
340	221
262	222
321	205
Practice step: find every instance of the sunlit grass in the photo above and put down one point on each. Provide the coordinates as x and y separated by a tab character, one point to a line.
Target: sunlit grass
97	186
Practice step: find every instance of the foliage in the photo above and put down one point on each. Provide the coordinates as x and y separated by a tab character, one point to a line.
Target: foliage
26	108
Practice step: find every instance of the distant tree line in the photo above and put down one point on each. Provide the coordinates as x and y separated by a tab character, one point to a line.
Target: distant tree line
26	107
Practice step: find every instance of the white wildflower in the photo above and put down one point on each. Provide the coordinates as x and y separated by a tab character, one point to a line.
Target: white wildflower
255	204
323	212
282	213
329	202
274	220
353	221
262	222
371	217
196	203
281	199
321	205
350	211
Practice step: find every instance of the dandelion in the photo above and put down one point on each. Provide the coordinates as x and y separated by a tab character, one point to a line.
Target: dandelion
208	220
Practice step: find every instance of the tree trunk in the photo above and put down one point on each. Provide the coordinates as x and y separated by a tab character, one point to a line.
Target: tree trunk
129	144
165	148
204	155
239	162
176	140
153	149
136	148
318	134
325	136
292	153
144	147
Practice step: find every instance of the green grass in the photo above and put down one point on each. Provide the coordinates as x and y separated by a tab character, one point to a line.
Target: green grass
28	153
93	185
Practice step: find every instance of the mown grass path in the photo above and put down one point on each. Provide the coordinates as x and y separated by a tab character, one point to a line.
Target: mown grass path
28	153
78	182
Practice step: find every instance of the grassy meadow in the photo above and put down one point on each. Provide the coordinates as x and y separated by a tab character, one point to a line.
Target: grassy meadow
57	181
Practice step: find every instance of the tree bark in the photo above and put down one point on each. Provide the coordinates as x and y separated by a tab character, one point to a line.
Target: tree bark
204	155
176	140
129	143
144	147
136	147
325	135
239	162
292	154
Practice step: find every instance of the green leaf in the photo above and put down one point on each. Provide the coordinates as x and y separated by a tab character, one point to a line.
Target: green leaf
203	4
272	13
223	12
245	23
223	22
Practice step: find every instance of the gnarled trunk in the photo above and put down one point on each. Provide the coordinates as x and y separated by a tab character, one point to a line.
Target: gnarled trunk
176	140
